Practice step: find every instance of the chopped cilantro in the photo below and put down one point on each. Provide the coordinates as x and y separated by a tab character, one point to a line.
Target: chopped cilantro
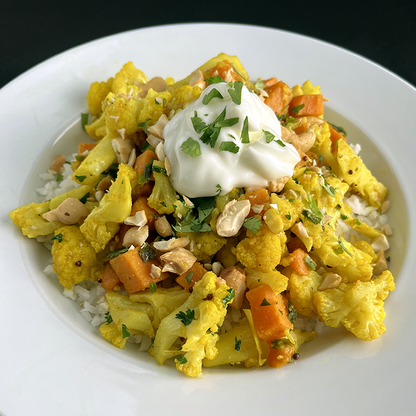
328	188
219	188
228	147
292	312
288	216
339	129
186	317
214	80
181	359
244	133
191	147
158	169
338	250
228	298
84	120
197	123
214	93
204	207
280	343
343	247
344	217
312	205
108	318
388	259
253	224
237	344
226	123
147	173
58	238
145	125
146	145
310	263
59	177
153	287
357	221
269	136
211	133
147	253
164	101
189	277
281	143
295	110
124	331
259	85
311	216
235	93
80	178
264	302
321	158
84	198
292	200
115	253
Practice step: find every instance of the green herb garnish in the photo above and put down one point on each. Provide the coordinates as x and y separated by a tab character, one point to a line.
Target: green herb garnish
147	253
58	238
191	147
181	359
269	136
259	85
189	277
295	110
339	129
235	93
228	298
311	264
214	80
186	317
228	147
281	143
280	343
237	344
253	224
59	177
153	287
115	253
265	303
344	217
239	73
288	216
80	178
147	172
214	93
108	318
145	125
292	312
343	247
197	123
84	120
124	331
244	133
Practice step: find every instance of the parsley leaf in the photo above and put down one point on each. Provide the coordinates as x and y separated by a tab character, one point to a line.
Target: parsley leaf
80	178
235	93
227	123
292	312
269	136
189	277
186	317
181	359
153	287
228	298
109	318
214	93
310	263
58	238
191	147
295	110
229	147
281	143
244	133
253	224
115	253
198	124
264	302
144	125
237	344
219	188
124	331
214	80
84	120
211	133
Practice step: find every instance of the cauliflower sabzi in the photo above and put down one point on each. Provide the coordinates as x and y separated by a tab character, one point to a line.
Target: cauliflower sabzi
217	278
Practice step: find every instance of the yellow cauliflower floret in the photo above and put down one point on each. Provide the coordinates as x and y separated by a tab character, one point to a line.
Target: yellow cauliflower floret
260	251
121	114
74	259
204	245
357	306
128	75
183	96
29	217
276	280
360	179
103	222
302	290
306	89
323	146
128	318
289	210
197	321
225	255
152	109
96	95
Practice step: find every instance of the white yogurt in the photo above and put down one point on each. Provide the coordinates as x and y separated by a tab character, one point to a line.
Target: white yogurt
255	164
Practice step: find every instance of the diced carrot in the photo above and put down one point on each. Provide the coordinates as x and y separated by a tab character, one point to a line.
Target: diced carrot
313	105
146	189
278	357
301	129
82	147
298	263
294	244
269	82
57	163
198	273
271	320
141	162
279	97
257	197
222	69
133	272
109	278
141	205
335	135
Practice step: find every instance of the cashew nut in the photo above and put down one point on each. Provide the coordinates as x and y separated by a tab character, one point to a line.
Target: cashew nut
139	219
217	268
380	243
236	279
122	149
331	281
300	230
160	151
306	141
136	236
155	271
278	184
68	212
197	80
157	129
105	183
153	140
171	244
157	84
163	227
178	261
380	265
232	218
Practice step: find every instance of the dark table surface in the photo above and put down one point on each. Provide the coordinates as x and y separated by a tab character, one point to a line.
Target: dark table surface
33	31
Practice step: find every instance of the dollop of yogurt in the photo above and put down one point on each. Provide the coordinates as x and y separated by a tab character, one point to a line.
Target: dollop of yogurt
264	158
